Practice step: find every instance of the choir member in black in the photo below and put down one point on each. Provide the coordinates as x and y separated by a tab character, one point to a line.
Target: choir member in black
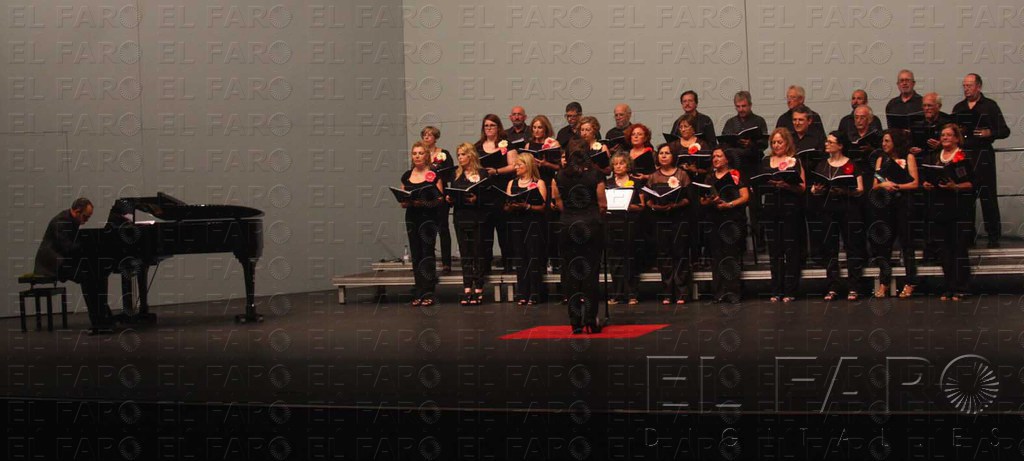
641	153
60	255
702	124
442	163
795	98
908	102
499	161
573	113
862	135
857	99
750	151
951	206
526	225
689	144
992	126
622	233
579	194
590	130
930	126
727	219
518	132
804	136
782	216
671	229
623	119
471	214
838	210
540	139
890	207
642	163
421	224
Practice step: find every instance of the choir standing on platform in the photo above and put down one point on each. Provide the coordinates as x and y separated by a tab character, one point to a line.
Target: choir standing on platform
869	190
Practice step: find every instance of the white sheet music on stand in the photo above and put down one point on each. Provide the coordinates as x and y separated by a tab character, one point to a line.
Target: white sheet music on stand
618	199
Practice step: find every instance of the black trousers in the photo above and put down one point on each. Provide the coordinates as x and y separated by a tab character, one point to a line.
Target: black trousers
473	238
623	260
581	245
849	226
950	239
892	220
672	239
985	183
526	232
91	274
725	238
783	233
421	228
444	234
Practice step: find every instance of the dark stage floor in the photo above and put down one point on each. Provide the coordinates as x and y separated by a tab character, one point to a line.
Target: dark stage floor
874	379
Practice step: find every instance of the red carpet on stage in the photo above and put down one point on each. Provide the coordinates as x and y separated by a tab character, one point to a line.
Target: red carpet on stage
565	332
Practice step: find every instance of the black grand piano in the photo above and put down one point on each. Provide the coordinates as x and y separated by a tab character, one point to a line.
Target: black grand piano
128	246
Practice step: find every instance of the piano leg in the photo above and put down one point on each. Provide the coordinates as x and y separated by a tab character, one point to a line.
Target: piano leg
141	280
249	272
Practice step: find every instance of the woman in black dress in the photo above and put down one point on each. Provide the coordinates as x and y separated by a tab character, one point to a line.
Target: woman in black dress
836	206
470	217
542	138
579	194
725	212
499	160
421	224
526	222
671	230
895	180
590	128
622	234
951	203
641	153
783	217
442	163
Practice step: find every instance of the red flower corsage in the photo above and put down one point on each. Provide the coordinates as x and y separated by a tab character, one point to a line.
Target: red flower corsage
848	168
693	149
787	163
958	156
902	163
735	176
439	158
548	143
430	176
531	186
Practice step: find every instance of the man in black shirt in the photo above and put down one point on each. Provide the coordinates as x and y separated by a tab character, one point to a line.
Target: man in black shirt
60	255
908	102
623	118
846	125
518	132
750	152
804	136
932	123
704	126
991	126
573	113
795	98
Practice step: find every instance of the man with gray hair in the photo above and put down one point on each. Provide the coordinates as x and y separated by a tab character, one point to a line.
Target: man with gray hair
623	118
795	96
908	102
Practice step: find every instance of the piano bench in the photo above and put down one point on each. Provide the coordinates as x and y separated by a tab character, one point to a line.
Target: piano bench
41	286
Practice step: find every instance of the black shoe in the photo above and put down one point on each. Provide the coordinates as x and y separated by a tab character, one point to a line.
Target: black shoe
594	329
446	270
577	330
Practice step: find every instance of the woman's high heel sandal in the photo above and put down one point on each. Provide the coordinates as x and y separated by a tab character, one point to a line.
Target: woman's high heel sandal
882	291
908	291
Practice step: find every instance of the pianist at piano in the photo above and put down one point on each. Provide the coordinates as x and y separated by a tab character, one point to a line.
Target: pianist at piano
59	255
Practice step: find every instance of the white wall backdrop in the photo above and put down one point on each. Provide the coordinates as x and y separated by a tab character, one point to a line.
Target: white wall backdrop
470	60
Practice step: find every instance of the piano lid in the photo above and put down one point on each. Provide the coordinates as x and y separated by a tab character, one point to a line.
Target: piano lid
168	208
